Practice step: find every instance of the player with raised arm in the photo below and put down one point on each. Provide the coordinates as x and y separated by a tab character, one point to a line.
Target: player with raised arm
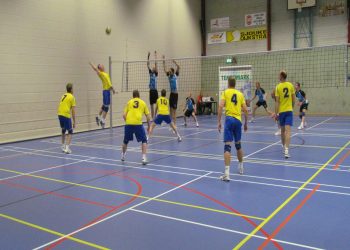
133	112
260	93
163	114
153	77
190	109
172	75
303	103
285	99
106	93
66	111
234	103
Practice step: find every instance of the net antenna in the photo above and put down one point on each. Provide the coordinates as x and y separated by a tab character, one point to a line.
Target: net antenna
300	3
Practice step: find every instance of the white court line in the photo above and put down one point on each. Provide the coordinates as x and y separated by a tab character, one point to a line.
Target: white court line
330	118
123	211
243	181
175	138
222	229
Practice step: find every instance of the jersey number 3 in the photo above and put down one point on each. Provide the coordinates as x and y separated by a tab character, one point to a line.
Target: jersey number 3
285	91
234	99
136	104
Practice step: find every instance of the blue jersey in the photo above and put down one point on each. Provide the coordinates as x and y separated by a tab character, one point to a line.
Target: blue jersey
189	103
173	82
301	96
260	94
153	76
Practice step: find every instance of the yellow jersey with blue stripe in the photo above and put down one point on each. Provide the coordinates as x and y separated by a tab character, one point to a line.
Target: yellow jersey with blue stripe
134	110
285	92
163	106
106	80
234	100
66	104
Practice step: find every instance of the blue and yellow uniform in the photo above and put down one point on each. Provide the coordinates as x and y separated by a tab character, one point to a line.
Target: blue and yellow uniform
106	85
153	93
134	110
163	111
64	112
234	100
285	92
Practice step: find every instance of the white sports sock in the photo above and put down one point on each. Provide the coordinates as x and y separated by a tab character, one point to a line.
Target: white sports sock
227	170
144	156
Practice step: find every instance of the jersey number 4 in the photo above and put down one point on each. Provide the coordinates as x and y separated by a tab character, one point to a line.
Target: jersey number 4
136	104
286	92
234	99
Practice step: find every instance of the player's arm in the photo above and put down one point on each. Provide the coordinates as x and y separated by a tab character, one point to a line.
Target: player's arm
221	107
148	63
113	90
177	67
156	63
293	99
94	67
277	105
125	112
148	118
166	72
245	111
73	116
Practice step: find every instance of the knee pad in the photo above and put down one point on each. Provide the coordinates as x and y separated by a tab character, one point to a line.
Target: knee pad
70	131
105	108
125	142
63	131
302	114
238	146
227	148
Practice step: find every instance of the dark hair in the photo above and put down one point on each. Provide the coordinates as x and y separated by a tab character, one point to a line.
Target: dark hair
69	87
172	70
163	92
136	93
298	83
283	74
231	82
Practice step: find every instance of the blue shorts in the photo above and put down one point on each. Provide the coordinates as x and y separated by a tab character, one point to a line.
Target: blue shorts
286	118
233	129
65	123
162	118
138	130
106	97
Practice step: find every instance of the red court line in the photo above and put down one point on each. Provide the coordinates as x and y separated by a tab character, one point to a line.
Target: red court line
288	218
138	193
215	201
341	160
56	194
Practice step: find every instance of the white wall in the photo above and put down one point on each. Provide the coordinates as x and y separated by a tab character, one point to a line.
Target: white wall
45	44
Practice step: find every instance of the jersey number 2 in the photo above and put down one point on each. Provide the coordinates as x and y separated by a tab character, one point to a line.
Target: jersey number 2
234	99
285	91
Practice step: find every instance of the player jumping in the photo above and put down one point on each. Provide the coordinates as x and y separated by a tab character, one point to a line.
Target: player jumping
153	76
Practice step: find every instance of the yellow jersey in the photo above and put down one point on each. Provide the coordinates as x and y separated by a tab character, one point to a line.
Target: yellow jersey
285	91
134	110
162	105
66	104
234	101
106	80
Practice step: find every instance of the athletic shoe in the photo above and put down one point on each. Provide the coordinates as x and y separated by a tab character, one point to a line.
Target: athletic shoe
67	150
197	124
97	121
240	168
63	147
305	124
179	139
301	127
278	132
286	154
225	178
122	158
251	120
102	124
144	161
185	124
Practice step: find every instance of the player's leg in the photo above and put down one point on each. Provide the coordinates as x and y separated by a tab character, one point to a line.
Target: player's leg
237	135
195	118
303	119
228	138
253	112
63	137
128	136
185	118
140	135
68	126
153	125
152	111
172	125
266	109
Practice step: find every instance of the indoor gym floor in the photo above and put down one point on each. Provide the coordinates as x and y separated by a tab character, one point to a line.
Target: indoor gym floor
177	200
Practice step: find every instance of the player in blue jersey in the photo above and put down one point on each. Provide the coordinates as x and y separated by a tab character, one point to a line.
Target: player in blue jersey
153	77
260	93
190	110
303	103
172	75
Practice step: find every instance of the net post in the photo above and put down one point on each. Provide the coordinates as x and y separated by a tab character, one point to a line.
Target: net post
111	104
346	66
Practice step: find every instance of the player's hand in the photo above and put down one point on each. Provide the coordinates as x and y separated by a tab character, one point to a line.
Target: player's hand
299	103
245	127
219	127
149	53
114	92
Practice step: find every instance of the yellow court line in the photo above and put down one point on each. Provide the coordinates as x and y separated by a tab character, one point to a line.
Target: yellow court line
133	195
53	232
273	214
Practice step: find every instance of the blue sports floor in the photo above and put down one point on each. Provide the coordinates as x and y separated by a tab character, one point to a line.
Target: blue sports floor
90	199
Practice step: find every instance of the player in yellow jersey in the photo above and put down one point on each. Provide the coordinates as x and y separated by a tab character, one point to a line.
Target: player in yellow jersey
163	114
234	103
107	88
285	99
66	110
133	112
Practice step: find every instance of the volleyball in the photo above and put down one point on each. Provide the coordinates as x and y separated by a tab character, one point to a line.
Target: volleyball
108	30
